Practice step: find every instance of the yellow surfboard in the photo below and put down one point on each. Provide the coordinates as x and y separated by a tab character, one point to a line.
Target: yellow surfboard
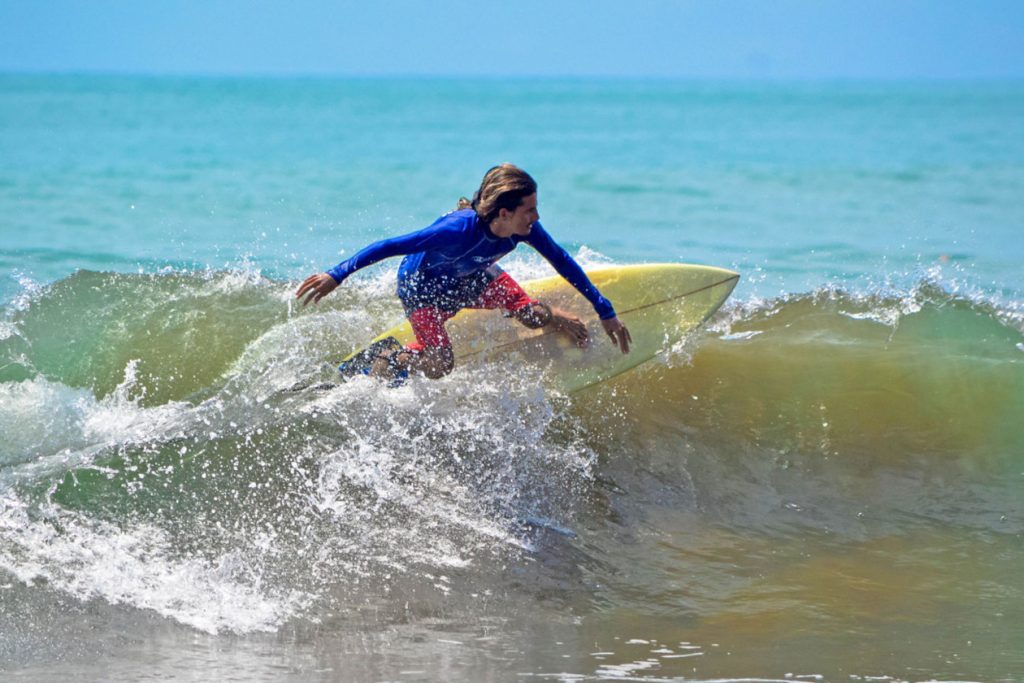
659	303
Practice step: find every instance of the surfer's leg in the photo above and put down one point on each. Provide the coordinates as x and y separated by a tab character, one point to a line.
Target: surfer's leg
432	353
435	362
506	293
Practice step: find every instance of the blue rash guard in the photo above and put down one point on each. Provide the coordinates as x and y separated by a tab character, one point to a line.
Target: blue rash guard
449	263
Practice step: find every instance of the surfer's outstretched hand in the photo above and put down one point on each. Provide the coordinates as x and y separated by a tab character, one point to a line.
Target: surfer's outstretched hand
571	326
618	332
315	287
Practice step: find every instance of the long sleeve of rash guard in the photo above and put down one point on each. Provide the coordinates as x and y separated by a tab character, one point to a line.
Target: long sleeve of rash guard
426	239
564	264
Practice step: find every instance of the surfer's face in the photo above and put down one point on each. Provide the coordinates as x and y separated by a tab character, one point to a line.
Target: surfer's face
518	222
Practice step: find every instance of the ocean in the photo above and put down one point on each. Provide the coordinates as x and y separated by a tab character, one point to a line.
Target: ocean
823	483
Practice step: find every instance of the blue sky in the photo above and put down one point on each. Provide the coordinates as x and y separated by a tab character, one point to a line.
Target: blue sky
786	39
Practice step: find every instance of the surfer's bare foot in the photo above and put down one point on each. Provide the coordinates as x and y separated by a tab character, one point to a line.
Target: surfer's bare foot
434	362
570	326
390	365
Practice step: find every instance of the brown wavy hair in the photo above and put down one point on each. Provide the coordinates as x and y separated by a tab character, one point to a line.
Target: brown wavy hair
503	187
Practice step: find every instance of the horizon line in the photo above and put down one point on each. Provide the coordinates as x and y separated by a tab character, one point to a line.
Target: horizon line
339	76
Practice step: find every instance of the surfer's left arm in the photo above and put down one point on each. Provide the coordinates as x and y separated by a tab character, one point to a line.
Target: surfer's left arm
567	267
319	285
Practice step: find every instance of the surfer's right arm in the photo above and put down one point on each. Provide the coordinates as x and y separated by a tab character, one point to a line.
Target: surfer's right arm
319	285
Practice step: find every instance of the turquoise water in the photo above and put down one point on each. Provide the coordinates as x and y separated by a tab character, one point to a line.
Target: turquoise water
807	183
824	481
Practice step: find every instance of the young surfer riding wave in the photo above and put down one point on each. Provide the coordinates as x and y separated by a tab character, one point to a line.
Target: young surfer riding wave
452	264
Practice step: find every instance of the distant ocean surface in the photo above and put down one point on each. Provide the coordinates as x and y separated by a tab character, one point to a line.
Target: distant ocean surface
826	482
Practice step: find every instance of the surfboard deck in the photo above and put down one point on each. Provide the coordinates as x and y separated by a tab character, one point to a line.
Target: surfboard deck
659	303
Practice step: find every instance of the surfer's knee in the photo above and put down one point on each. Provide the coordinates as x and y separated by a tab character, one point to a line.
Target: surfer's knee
536	315
435	362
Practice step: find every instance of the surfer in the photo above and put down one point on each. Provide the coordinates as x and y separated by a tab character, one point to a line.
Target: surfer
452	264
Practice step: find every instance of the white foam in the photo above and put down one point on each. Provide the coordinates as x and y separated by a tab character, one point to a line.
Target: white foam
495	430
30	289
429	475
741	336
134	565
41	420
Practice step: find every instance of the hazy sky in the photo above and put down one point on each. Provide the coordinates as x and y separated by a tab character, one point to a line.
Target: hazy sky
653	38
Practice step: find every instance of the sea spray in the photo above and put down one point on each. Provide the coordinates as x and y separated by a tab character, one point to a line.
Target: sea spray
277	502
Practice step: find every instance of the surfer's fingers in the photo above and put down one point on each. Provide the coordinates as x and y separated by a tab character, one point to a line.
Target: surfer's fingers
623	341
582	335
620	336
323	290
308	284
316	287
313	296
